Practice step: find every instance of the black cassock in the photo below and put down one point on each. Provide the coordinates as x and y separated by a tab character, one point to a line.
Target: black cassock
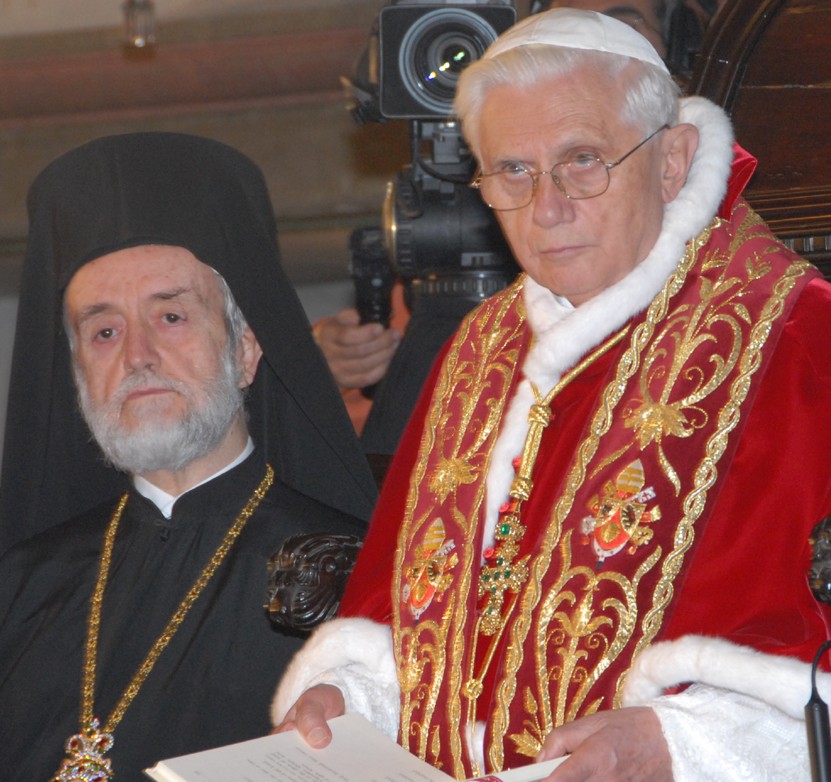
214	682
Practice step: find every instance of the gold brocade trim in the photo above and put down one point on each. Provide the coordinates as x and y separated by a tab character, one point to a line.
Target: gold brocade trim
575	636
494	618
421	646
600	425
508	573
707	472
580	623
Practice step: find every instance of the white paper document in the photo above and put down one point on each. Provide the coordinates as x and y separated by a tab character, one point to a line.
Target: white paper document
359	752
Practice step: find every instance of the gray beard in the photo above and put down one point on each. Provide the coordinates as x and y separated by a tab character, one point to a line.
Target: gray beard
164	445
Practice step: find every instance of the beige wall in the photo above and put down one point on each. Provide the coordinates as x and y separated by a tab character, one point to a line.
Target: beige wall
262	75
267	83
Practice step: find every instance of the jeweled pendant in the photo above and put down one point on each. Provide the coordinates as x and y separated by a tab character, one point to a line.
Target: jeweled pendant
85	761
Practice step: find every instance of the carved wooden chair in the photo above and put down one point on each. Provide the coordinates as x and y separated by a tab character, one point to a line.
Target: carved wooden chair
768	63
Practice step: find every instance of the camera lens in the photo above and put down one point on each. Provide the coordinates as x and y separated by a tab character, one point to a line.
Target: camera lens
436	49
454	56
440	61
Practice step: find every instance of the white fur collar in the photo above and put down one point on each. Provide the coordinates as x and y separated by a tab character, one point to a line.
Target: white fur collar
564	334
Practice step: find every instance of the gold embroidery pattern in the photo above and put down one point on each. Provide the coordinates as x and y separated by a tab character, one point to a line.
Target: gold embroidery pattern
572	623
664	408
600	425
707	472
529	742
420	651
584	620
503	572
693	505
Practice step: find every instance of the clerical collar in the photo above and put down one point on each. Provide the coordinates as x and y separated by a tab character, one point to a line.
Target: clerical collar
165	502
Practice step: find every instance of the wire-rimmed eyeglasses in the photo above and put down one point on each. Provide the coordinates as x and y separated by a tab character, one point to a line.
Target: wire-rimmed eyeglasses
579	177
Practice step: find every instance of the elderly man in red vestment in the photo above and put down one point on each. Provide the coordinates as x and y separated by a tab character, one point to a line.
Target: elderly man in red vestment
595	537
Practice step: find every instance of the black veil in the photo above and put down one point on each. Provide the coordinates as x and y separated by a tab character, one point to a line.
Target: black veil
197	193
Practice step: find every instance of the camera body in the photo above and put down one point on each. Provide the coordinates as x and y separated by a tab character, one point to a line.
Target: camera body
438	235
423	47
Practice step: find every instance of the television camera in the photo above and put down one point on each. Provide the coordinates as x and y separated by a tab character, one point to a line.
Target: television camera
436	234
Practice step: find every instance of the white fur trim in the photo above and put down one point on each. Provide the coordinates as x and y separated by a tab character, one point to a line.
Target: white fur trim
714	735
355	655
741	719
564	334
782	682
475	737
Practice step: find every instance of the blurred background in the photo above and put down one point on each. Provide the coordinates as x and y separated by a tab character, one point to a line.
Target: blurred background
261	75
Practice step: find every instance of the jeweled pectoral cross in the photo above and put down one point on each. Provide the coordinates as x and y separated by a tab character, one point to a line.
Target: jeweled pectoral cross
85	761
502	572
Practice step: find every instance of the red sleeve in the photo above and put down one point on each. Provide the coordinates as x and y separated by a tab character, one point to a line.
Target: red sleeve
368	591
749	579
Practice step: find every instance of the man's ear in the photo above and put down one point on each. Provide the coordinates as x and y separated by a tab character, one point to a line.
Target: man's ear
249	354
679	144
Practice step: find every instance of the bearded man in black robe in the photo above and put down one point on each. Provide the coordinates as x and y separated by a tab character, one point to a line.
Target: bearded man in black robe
136	629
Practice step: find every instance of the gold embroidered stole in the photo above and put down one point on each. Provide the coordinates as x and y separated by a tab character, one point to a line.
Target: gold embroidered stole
602	570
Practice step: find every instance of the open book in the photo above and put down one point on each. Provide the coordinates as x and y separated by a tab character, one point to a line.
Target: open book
359	752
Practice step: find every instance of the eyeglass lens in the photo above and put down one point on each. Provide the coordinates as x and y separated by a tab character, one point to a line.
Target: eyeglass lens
580	177
585	177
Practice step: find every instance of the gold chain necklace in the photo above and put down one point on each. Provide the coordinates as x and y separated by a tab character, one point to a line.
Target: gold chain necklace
85	761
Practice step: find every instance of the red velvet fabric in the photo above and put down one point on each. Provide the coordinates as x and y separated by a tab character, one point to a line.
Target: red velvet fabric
745	579
748	582
368	590
744	164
